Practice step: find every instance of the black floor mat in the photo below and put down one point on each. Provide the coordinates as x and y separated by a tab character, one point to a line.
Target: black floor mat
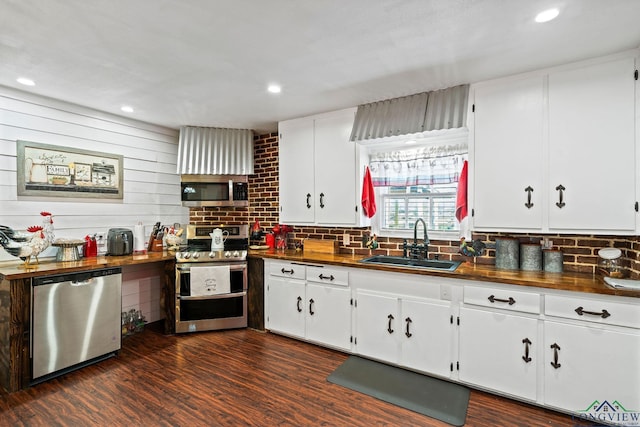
432	397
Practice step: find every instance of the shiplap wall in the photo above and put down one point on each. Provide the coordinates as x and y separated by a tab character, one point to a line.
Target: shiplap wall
151	185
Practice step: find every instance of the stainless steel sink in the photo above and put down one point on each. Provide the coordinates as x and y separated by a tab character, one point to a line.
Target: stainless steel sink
397	261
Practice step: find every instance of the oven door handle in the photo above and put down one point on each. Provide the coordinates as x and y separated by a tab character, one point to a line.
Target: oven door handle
186	267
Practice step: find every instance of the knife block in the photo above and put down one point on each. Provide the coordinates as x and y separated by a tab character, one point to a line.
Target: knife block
156	245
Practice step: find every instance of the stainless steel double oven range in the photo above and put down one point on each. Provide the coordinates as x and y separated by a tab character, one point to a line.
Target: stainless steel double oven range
198	309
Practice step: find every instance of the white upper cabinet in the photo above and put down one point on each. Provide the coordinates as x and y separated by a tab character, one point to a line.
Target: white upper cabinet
296	163
318	170
508	155
554	151
592	147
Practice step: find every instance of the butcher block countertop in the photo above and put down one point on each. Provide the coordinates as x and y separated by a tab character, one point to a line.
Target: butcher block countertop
13	270
577	282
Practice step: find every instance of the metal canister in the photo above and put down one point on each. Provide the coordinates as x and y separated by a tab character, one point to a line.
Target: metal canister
507	253
553	259
530	256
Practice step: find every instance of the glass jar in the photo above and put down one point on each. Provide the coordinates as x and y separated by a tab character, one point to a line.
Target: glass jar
609	262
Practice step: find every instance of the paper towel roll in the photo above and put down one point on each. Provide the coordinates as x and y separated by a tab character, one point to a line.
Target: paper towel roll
138	238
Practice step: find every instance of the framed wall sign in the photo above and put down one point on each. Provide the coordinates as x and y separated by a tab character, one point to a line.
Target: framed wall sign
51	170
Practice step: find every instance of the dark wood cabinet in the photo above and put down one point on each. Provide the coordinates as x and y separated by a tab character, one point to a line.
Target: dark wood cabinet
255	301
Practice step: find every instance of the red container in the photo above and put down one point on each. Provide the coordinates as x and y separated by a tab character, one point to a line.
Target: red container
271	241
90	247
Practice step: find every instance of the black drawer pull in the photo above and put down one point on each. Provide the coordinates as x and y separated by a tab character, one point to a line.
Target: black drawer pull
493	299
287	271
298	301
604	313
526	357
390	317
407	333
323	277
529	190
555	363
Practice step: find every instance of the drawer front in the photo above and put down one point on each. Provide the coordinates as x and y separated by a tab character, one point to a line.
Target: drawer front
599	310
328	275
287	269
505	299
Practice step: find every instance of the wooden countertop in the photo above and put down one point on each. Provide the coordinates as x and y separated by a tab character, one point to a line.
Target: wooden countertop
12	270
577	282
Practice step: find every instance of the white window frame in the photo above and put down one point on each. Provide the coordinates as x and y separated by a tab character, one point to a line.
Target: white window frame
435	138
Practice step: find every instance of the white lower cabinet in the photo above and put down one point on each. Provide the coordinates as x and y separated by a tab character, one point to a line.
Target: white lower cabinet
285	287
328	317
407	331
498	351
585	364
570	351
309	302
592	355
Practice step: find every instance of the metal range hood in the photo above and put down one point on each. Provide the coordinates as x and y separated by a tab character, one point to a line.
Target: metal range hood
215	151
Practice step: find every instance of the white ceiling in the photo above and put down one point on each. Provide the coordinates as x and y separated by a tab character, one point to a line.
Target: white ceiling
208	62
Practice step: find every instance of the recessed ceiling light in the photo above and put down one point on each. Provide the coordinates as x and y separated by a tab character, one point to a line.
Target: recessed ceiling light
273	88
127	109
547	15
25	81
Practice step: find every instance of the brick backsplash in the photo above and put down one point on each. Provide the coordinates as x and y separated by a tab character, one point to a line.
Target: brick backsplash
580	252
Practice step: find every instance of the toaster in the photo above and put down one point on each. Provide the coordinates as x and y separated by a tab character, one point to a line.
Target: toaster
119	241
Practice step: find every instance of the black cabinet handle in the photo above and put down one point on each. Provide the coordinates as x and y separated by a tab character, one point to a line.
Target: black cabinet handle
321	200
526	357
529	190
298	304
323	277
287	271
311	312
555	363
308	201
604	313
407	333
493	299
560	203
390	317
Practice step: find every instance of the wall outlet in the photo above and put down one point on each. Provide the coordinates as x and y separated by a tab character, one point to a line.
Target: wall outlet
346	239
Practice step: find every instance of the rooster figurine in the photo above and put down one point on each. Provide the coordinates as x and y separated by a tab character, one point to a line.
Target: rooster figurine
24	245
472	249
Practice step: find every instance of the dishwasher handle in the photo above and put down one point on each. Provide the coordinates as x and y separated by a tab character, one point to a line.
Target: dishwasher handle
76	277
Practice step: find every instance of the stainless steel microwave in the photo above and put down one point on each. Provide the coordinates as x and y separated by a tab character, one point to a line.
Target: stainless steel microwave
214	190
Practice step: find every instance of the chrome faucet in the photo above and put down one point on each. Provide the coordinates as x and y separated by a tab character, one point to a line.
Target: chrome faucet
417	250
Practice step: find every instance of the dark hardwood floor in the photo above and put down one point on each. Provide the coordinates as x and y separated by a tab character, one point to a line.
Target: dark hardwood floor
229	378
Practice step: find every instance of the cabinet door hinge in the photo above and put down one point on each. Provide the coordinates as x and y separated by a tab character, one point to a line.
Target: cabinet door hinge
636	206
473	108
635	75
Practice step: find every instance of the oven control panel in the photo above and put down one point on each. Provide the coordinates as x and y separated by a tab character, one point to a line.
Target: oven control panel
214	256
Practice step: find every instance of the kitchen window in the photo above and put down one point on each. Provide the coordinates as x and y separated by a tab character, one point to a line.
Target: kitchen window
418	181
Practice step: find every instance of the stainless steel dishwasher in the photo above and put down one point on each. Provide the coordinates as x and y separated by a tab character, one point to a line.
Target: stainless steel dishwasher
75	320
